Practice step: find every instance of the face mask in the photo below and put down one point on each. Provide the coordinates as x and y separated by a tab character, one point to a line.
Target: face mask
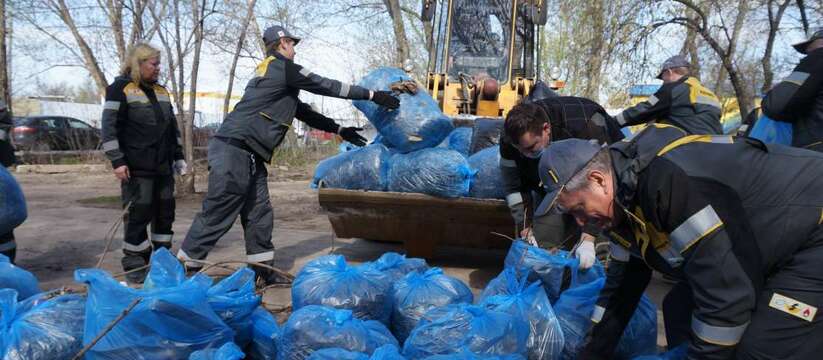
535	155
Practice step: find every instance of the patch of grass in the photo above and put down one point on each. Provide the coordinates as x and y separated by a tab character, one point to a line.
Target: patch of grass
291	155
101	200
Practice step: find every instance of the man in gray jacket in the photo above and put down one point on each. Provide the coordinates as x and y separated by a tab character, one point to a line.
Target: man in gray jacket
682	101
246	139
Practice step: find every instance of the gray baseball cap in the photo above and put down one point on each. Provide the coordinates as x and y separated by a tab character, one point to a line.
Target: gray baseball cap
801	46
673	62
274	33
559	163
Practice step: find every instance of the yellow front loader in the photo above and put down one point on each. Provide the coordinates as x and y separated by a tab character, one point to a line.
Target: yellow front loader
484	55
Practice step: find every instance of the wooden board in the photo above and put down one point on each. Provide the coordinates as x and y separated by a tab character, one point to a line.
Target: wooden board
420	222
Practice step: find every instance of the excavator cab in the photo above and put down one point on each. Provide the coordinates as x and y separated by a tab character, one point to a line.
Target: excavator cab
482	53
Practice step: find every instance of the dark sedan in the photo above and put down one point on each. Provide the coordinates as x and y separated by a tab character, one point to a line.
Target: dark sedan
47	133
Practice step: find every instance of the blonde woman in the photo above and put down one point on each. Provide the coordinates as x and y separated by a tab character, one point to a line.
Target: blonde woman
142	140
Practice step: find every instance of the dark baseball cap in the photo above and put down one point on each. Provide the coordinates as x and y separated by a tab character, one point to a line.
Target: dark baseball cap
559	163
274	33
801	46
673	62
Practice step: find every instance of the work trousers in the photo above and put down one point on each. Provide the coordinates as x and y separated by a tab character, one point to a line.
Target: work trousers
237	186
778	328
151	201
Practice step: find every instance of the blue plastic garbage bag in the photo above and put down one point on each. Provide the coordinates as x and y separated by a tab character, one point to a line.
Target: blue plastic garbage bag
12	203
468	355
557	271
418	293
40	328
13	277
448	329
436	171
346	146
640	336
526	300
678	353
315	327
574	310
166	271
772	131
364	168
167	323
337	354
385	352
486	133
417	124
460	140
396	266
265	333
229	351
488	183
329	281
234	300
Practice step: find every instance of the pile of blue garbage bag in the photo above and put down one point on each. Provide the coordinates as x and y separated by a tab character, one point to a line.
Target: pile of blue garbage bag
391	308
417	150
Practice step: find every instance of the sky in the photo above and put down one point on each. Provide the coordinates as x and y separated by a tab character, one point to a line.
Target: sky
329	51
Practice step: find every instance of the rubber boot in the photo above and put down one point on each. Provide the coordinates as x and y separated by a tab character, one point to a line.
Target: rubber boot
131	262
267	277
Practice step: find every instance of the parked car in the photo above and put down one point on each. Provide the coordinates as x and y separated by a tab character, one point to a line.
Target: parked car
47	133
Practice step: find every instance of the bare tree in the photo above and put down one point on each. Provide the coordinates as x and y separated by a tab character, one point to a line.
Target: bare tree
400	39
236	56
700	23
804	19
775	16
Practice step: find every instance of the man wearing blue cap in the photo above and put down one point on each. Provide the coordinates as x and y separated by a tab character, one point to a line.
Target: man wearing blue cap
246	140
798	99
739	223
682	101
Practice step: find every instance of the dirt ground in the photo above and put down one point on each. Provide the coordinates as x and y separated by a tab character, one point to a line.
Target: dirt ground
71	214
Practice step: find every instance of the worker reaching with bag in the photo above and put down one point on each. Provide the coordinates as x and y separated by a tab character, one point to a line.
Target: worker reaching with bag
682	101
529	129
737	222
246	140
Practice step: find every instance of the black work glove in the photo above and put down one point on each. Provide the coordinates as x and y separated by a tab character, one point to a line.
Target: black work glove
350	134
385	99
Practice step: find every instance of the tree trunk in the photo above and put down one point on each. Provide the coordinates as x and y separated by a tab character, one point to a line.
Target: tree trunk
690	48
255	27
774	25
137	23
247	20
188	138
594	63
114	12
804	20
400	39
5	94
89	59
742	92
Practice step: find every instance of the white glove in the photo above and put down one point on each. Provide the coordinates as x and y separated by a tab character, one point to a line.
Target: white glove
531	239
585	251
180	167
